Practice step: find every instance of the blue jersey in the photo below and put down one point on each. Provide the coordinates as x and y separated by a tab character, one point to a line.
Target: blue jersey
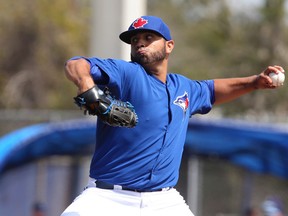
147	156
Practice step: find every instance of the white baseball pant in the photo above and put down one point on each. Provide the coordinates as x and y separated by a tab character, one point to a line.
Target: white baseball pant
95	202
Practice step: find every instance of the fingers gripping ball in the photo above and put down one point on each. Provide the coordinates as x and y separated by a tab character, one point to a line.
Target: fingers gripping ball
111	111
277	79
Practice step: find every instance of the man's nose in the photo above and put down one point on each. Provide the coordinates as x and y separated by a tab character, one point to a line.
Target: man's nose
140	43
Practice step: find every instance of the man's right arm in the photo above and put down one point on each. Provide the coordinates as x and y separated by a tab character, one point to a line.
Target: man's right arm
78	71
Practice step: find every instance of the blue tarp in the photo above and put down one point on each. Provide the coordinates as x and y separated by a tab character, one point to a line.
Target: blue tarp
259	148
40	140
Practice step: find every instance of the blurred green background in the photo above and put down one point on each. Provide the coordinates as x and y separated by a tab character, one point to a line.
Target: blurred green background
213	39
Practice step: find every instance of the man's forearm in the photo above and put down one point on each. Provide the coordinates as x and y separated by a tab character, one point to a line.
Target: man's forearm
78	71
232	88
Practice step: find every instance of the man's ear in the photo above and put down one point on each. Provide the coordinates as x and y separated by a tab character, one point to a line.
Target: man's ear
169	46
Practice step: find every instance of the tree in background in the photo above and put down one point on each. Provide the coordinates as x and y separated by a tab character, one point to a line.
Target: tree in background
212	41
37	37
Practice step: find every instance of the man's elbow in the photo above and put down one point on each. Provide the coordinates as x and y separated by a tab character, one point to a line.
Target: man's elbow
73	68
68	69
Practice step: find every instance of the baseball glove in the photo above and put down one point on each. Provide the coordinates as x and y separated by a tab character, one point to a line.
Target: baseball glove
111	111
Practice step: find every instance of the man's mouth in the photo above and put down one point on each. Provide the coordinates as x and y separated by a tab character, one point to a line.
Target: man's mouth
141	51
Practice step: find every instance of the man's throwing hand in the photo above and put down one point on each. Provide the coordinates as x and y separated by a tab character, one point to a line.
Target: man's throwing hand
265	81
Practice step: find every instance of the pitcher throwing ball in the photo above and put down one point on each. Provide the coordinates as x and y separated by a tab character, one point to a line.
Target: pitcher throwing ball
139	145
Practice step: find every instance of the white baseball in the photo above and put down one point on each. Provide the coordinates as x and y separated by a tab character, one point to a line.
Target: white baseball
278	79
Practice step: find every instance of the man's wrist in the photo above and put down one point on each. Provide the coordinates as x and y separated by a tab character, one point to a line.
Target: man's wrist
255	81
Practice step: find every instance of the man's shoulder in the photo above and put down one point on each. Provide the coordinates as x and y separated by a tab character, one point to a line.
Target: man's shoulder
177	76
126	63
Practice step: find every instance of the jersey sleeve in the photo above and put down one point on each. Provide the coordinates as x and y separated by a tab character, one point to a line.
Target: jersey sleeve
116	74
202	96
99	76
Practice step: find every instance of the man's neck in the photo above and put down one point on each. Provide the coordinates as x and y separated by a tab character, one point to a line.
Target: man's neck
159	71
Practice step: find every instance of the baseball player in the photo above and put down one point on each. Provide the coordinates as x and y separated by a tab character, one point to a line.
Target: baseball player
143	113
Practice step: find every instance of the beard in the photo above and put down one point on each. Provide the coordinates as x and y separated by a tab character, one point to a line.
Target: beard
150	58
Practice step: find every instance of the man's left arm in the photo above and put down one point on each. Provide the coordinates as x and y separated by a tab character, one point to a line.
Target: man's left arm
231	88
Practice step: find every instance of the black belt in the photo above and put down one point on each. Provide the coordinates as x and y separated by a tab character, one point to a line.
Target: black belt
105	185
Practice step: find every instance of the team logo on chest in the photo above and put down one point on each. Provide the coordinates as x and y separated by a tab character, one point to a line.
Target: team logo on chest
182	101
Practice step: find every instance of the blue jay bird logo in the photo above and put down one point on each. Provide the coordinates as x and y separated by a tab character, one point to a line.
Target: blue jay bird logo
182	101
